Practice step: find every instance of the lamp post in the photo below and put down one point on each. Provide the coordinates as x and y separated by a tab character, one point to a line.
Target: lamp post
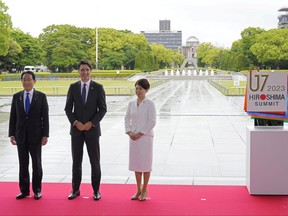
96	48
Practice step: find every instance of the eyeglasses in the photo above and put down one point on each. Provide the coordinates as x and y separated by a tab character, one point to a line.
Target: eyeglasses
27	80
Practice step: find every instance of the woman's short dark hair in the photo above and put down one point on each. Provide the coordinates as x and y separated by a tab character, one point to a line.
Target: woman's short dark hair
85	63
28	72
143	83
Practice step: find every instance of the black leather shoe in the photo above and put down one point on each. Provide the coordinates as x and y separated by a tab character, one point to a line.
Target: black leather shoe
22	195
97	196
73	194
37	196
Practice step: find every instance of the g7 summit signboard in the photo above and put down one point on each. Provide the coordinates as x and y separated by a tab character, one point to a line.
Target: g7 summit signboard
266	92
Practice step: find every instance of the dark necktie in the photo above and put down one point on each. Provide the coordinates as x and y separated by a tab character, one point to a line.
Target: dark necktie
84	93
27	103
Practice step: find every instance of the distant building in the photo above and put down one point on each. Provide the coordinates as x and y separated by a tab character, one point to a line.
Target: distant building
190	52
170	39
283	18
164	25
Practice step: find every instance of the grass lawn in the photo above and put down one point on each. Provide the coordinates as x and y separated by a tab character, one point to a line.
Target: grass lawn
230	83
60	87
232	90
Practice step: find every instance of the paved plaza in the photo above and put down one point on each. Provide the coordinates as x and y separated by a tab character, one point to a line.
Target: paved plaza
199	139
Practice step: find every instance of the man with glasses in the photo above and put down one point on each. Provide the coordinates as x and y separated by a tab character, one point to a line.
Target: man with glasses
29	130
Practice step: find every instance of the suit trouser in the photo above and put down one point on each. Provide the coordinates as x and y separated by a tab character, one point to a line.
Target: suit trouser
35	151
93	149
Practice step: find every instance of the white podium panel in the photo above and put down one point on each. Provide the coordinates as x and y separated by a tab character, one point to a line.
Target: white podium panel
267	160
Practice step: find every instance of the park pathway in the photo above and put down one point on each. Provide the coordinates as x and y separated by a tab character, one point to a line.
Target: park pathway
199	138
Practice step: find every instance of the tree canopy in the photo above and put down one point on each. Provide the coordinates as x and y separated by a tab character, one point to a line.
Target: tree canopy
5	27
61	47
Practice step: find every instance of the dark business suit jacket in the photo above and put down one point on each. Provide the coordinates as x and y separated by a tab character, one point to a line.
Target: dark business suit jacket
28	131
35	125
93	110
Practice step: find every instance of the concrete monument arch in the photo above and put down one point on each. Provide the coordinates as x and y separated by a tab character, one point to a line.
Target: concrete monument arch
190	52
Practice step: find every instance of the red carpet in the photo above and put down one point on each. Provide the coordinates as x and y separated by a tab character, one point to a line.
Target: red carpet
164	200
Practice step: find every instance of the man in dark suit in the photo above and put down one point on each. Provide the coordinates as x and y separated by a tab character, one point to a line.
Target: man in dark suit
85	108
29	130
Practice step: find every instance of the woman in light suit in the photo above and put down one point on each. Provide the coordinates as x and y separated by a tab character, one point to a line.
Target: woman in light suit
140	119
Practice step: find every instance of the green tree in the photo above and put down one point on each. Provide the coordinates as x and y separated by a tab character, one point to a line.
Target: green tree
134	43
125	43
146	61
225	59
112	59
11	60
248	38
163	55
32	53
23	50
5	28
208	55
271	46
177	57
234	59
111	48
65	46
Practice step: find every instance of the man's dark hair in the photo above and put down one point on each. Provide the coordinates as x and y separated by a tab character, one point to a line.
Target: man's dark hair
143	83
28	72
85	63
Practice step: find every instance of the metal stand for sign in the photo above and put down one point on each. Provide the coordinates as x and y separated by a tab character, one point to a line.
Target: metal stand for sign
267	122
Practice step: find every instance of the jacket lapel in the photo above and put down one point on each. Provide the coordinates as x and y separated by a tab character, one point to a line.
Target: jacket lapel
90	91
21	99
78	92
34	100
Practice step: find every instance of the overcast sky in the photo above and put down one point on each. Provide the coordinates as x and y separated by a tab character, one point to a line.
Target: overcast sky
217	21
